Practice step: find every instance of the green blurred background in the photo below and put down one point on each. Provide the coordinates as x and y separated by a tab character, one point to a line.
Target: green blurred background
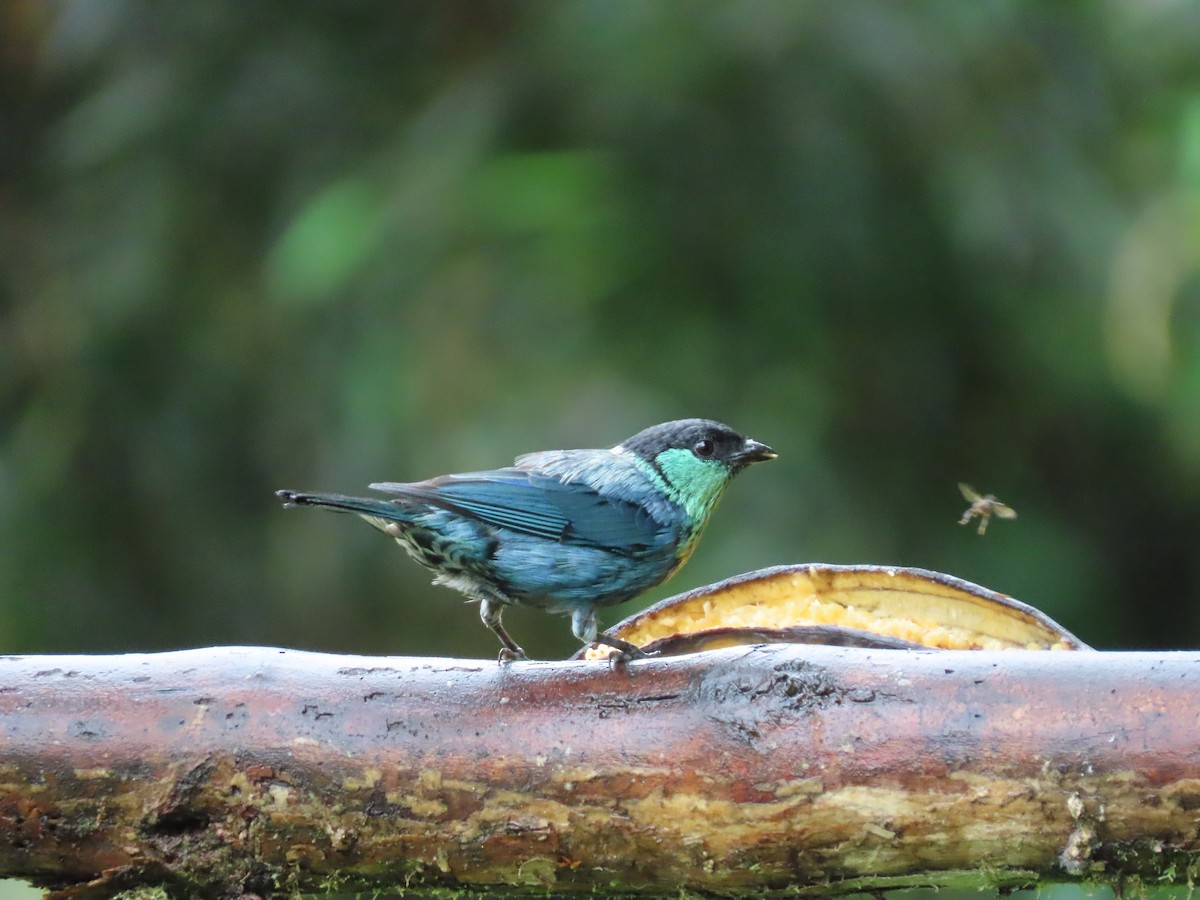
246	246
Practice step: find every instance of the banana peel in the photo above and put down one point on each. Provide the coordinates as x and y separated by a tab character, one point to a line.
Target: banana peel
860	606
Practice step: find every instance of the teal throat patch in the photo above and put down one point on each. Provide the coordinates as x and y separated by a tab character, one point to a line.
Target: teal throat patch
693	483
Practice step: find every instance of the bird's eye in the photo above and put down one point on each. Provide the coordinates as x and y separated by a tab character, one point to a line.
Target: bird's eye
704	448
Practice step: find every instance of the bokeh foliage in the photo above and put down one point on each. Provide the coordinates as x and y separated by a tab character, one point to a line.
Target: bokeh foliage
246	246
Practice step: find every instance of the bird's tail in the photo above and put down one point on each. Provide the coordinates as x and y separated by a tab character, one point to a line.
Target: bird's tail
364	506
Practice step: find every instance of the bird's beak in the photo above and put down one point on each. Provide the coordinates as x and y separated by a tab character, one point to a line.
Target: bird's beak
754	451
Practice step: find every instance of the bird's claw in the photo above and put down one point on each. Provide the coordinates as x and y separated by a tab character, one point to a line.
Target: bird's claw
507	655
624	651
619	659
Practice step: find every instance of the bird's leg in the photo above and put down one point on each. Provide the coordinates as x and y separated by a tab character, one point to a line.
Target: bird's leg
489	611
583	626
628	650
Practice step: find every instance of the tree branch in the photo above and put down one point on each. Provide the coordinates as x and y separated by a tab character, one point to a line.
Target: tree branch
248	770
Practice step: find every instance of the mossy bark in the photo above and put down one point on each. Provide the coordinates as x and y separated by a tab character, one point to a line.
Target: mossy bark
245	770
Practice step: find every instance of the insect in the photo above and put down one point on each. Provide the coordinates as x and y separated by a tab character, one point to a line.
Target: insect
985	506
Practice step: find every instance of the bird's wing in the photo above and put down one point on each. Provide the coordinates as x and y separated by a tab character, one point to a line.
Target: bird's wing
538	505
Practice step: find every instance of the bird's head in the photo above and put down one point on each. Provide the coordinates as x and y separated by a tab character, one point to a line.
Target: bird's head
693	460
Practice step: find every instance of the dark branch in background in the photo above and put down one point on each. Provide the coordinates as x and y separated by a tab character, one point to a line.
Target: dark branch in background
238	770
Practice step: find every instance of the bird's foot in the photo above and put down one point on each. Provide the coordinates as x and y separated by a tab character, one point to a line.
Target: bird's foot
509	654
625	651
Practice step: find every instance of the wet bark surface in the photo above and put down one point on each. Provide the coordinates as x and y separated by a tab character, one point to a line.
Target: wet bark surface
229	771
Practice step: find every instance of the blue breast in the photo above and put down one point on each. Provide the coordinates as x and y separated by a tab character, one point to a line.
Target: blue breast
557	531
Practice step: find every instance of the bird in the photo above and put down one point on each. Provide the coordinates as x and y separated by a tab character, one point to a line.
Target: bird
565	531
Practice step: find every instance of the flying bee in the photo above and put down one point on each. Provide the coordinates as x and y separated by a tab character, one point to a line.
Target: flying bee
985	506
